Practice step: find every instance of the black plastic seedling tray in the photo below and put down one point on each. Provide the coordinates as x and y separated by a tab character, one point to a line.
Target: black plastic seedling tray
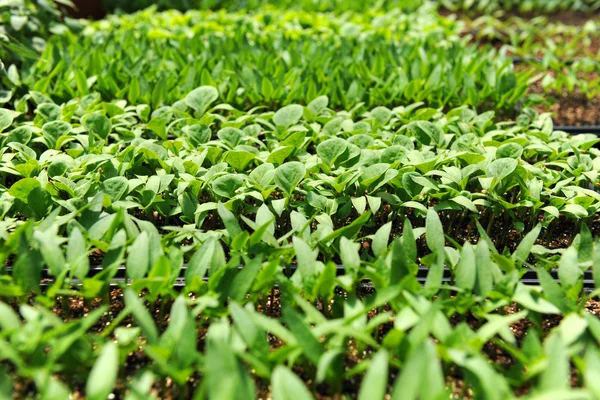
529	278
575	130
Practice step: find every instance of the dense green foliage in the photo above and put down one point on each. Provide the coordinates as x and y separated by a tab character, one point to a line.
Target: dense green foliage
235	5
403	328
262	59
25	25
478	6
378	58
296	204
202	190
411	157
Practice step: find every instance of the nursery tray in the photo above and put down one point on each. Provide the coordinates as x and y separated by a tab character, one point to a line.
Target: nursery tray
529	278
575	130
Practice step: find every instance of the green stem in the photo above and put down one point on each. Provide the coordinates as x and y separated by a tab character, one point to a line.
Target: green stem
115	322
488	230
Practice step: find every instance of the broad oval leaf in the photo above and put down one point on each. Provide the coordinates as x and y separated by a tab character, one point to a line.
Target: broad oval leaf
227	185
289	175
330	149
501	168
21	189
318	105
115	187
288	115
200	98
98	124
52	131
509	150
6	118
197	134
394	154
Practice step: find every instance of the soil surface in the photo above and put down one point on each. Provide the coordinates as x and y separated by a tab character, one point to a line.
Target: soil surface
574	109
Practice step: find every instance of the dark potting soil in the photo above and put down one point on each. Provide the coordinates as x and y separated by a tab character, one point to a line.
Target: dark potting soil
572	109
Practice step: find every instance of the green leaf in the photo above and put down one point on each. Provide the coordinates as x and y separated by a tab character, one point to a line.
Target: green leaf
349	254
288	115
327	362
524	248
9	320
382	114
501	168
21	135
592	371
569	272
97	124
557	376
231	136
138	258
115	187
318	105
200	98
487	383
226	378
305	256
394	154
279	154
509	150
6	119
500	325
141	315
466	269
484	281
426	131
285	385
201	260
77	256
435	274
400	265
227	185
56	390
311	347
373	172
575	210
552	289
244	280
239	159
374	384
197	134
229	220
408	383
23	187
289	175
380	241
523	295
421	375
434	232
103	376
330	149
585	253
596	264
49	244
